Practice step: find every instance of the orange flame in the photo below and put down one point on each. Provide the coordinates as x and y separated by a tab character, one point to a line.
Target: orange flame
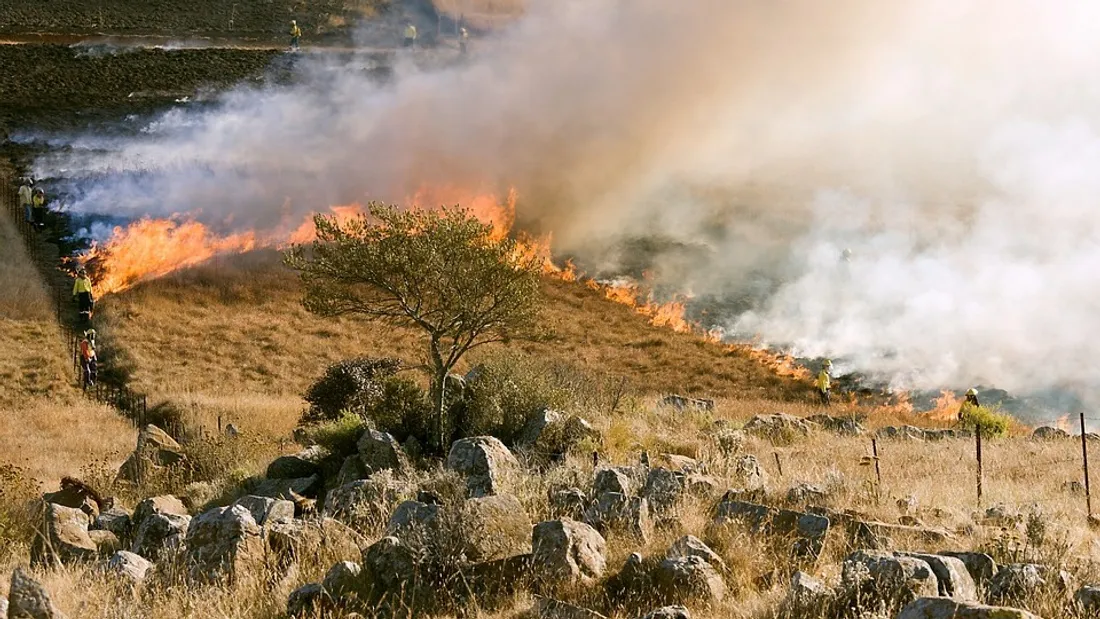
781	363
1063	424
946	407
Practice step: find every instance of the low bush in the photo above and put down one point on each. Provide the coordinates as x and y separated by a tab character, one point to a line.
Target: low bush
505	391
354	385
990	421
339	435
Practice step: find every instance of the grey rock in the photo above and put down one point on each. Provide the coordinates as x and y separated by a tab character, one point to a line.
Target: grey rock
1088	598
411	515
807	596
224	542
548	608
804	493
496	527
781	426
392	566
617	513
305	463
663	490
691	546
106	543
888	578
28	599
946	608
539	425
289	542
155	450
618	479
747	475
305	600
116	520
63	538
568	503
128	565
633	584
567	552
266	510
77	496
844	426
729	441
351	470
682	403
952	577
882	535
901	433
366	503
164	504
159	535
380	451
345	581
1048	433
982	567
668	612
808	530
1020	581
483	461
689	580
286	489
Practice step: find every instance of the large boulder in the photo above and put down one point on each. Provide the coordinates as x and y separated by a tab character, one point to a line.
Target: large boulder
159	535
777	427
392	567
619	480
305	601
689	579
1048	433
63	537
982	567
952	577
380	451
549	608
883	577
807	597
305	463
106	543
346	583
1088	599
288	543
115	519
128	566
615	513
77	494
28	599
663	489
748	476
808	531
1019	582
266	510
551	433
366	503
567	552
155	450
484	461
224	541
568	503
691	546
668	612
163	504
946	608
496	527
412	516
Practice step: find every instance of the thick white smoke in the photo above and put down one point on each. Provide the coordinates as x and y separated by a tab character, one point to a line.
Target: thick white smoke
952	145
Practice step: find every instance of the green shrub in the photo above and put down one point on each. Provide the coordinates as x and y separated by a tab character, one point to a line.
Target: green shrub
339	435
505	391
351	385
402	409
991	421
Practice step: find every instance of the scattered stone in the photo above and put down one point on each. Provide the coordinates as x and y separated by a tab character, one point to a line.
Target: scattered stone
633	584
805	493
567	552
1048	433
266	510
682	403
344	581
351	470
663	490
982	567
945	434
27	598
155	450
807	596
689	579
844	426
224	541
568	503
1088	598
703	486
952	577
888	578
286	489
410	515
305	463
392	566
781	426
164	504
616	479
691	546
289	542
305	601
809	530
232	431
116	520
614	512
366	503
76	494
483	461
901	433
129	566
883	535
497	527
668	612
496	582
63	538
1001	516
946	608
1020	581
729	441
748	476
380	451
106	543
160	534
548	608
682	464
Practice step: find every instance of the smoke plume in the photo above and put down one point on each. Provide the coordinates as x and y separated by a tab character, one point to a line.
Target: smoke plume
740	146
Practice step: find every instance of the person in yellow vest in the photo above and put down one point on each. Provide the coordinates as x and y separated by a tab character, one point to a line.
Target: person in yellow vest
824	382
463	39
89	362
410	35
38	205
82	294
295	34
26	198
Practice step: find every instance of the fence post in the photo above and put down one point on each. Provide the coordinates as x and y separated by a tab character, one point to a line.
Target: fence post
978	445
1085	463
878	471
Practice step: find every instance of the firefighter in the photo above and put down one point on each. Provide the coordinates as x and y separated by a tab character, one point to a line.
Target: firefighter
410	35
463	39
38	204
26	198
88	361
969	404
82	294
295	34
824	382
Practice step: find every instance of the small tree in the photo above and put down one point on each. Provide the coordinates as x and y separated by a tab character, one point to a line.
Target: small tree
441	271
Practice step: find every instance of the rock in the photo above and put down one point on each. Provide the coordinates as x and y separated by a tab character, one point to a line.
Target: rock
682	464
691	546
668	612
807	596
1088	598
567	552
804	493
380	451
351	470
305	463
613	512
63	538
568	503
3	607
945	434
498	582
496	527
128	565
289	542
689	579
366	503
410	515
1001	516
116	520
155	450
681	403
946	608
844	426
663	490
232	431
164	504
305	601
483	461
903	433
1047	433
392	566
551	433
286	489
224	541
540	424
808	530
729	441
547	608
952	577
888	578
345	581
703	486
27	598
748	476
1020	581
982	567
613	480
106	543
882	535
159	534
266	510
75	494
633	584
781	426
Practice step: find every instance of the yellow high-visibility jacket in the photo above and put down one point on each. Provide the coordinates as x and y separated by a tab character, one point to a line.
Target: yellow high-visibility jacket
39	201
82	284
410	31
823	381
25	195
295	31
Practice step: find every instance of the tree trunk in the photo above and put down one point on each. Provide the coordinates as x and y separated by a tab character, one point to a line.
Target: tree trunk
439	389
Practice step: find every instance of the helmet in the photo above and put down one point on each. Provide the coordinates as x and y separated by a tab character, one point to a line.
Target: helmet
82	271
89	333
846	254
294	22
828	363
972	392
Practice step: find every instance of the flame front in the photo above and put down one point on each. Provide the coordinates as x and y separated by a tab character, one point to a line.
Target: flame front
946	407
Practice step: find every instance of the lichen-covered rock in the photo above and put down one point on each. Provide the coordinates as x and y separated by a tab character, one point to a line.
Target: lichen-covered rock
982	567
496	527
1020	581
844	426
28	599
289	542
106	543
668	612
615	513
346	582
305	463
115	519
380	451
953	579
887	578
568	503
305	601
63	537
155	450
804	493
567	552
946	608
747	475
663	490
781	426
689	580
691	546
411	515
616	480
548	608
266	510
1047	433
159	535
224	542
808	531
128	565
483	461
366	503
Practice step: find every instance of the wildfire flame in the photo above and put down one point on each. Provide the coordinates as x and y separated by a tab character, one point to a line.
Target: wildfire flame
946	407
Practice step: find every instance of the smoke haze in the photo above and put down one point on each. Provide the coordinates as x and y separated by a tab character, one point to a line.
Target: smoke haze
952	145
